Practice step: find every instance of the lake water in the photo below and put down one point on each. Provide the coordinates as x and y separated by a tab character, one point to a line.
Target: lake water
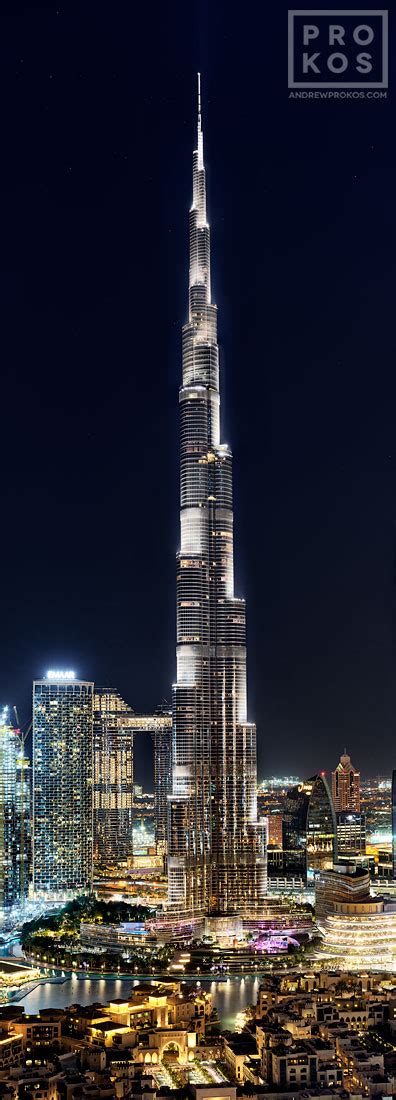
229	997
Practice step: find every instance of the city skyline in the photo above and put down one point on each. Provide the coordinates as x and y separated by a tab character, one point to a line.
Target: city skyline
209	839
144	770
84	801
198	587
292	186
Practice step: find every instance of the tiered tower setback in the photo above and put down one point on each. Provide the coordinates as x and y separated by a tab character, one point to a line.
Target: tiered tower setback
217	860
346	785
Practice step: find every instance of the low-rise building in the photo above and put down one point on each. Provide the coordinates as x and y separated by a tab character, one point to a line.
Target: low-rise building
11	1050
40	1029
239	1050
359	929
300	1065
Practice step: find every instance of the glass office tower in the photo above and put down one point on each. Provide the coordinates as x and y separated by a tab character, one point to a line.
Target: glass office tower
113	778
159	726
351	834
162	742
62	785
216	849
23	809
309	828
115	728
321	827
9	836
394	823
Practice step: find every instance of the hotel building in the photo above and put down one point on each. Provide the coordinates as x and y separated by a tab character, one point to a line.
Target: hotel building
346	786
62	785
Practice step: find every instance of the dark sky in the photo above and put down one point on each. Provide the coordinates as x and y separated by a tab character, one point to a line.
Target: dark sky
97	131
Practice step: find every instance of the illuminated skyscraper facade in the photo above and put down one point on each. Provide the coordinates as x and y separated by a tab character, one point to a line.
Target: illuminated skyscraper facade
112	779
321	826
351	834
309	828
23	801
62	785
216	850
115	728
346	785
162	747
9	825
394	823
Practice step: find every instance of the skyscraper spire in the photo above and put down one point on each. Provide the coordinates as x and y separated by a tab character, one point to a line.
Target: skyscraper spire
216	857
200	134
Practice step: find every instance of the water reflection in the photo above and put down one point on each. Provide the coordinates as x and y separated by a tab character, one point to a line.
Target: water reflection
230	996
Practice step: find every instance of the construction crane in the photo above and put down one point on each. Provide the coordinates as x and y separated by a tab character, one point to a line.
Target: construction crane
22	734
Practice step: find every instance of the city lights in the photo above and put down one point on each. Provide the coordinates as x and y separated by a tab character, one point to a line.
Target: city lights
279	894
60	674
354	942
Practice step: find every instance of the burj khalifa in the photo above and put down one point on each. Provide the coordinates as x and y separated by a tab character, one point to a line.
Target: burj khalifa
216	847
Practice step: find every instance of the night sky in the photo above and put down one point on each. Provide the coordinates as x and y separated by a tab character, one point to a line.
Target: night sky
96	139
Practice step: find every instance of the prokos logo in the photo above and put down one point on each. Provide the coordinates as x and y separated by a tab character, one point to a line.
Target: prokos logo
342	49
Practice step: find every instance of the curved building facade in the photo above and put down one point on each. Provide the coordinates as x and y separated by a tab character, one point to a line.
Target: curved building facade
216	850
309	828
359	931
321	827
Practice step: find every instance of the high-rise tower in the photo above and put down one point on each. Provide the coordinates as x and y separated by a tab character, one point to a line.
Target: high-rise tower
216	859
346	785
112	779
62	785
11	854
394	824
162	746
23	798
